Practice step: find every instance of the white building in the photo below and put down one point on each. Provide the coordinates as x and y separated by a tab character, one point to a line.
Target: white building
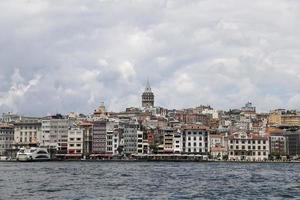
195	139
112	137
212	112
75	141
116	142
55	134
177	143
250	147
27	132
142	144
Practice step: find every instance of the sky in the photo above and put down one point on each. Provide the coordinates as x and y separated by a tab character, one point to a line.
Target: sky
70	55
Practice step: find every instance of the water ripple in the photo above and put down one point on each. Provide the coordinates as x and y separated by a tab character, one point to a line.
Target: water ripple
108	180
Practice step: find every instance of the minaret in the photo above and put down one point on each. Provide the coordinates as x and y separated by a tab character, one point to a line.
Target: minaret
147	97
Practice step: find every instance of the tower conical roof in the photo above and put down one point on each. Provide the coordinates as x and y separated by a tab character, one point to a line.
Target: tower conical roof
148	87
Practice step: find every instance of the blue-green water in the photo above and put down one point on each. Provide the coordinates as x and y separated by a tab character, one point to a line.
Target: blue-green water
148	180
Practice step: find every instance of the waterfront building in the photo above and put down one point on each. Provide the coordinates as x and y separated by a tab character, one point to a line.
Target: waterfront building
168	134
87	129
130	136
195	139
148	97
250	147
75	141
112	136
6	139
277	145
177	143
142	143
293	143
55	133
27	132
99	137
218	145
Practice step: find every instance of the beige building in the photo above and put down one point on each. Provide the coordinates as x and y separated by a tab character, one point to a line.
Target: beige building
284	117
248	147
27	132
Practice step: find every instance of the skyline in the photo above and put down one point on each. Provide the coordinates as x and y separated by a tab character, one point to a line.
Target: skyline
73	56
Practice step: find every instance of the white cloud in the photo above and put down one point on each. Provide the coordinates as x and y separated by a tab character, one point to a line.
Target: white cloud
196	52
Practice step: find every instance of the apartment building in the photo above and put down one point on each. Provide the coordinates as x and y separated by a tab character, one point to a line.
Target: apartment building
55	133
195	139
130	136
75	141
250	147
6	139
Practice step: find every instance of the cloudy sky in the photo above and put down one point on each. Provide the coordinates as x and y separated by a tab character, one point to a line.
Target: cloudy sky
69	55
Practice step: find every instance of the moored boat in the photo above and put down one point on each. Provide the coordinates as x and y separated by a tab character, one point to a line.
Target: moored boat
33	154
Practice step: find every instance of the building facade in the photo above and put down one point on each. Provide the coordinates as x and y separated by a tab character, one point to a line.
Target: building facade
27	132
248	147
99	137
6	139
130	136
195	139
55	134
277	145
75	141
293	143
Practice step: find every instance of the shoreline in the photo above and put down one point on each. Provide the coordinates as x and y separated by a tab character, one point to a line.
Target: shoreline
144	160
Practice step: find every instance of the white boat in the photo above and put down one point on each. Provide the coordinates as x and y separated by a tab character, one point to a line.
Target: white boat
33	154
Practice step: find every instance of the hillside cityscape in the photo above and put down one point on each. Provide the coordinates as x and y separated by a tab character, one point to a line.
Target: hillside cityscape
156	133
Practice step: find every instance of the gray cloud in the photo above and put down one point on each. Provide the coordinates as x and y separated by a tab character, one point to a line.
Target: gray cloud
69	56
